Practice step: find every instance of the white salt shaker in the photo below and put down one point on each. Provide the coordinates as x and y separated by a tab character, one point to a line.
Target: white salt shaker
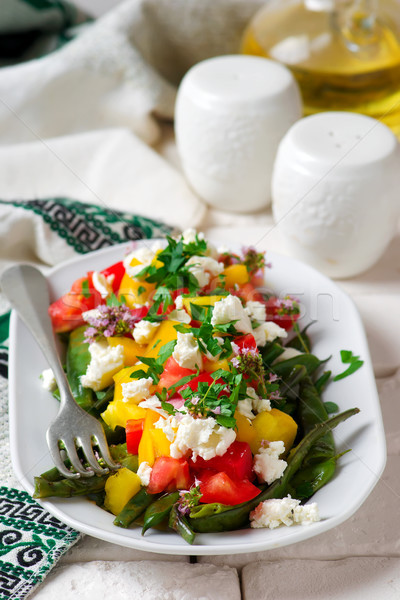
231	113
336	191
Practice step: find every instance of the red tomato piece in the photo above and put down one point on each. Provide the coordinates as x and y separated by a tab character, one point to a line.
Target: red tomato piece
139	313
118	270
66	312
248	292
169	474
172	373
134	430
275	313
237	462
246	342
221	488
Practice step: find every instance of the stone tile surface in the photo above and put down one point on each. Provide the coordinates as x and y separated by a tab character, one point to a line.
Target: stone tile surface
349	579
91	549
144	580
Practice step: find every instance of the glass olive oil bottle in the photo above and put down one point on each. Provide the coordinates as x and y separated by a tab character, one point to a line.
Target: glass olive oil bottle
344	54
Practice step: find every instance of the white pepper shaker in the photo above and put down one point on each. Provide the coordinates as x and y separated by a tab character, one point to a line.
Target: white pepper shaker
336	191
231	113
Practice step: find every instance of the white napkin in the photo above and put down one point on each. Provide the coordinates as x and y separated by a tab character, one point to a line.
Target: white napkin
80	121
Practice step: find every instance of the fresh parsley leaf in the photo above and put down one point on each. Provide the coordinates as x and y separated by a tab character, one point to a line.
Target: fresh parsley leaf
139	374
331	407
181	382
229	422
141	290
112	300
166	351
85	288
199	312
354	363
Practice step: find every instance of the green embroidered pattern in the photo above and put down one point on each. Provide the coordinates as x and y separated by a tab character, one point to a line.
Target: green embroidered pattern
31	540
87	227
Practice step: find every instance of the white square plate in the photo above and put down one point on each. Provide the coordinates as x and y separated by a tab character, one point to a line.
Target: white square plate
338	326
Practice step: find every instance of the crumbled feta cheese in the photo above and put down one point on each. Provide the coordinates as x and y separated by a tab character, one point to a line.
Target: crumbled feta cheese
102	284
179	315
179	302
267	463
230	309
144	255
144	472
136	390
287	354
208	354
256	311
204	437
285	511
203	268
245	408
144	331
186	352
267	332
48	380
306	514
168	426
154	404
258	404
105	361
189	236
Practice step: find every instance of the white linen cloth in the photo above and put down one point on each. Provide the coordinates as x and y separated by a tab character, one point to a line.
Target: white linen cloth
81	121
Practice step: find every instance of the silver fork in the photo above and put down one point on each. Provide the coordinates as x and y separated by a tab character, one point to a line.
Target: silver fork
27	291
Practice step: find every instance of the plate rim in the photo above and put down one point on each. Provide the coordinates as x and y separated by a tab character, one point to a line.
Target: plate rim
54	506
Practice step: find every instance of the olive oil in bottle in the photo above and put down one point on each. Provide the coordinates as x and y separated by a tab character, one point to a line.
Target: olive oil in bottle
344	54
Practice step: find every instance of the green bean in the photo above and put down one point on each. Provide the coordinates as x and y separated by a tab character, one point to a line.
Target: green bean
66	488
284	368
159	510
289	386
270	352
238	516
119	453
309	480
206	510
322	381
103	397
311	410
180	524
301	341
78	359
134	508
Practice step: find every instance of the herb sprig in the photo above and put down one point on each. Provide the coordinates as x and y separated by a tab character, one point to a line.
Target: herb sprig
353	361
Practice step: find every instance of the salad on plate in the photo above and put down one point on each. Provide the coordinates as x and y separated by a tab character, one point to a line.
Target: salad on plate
207	389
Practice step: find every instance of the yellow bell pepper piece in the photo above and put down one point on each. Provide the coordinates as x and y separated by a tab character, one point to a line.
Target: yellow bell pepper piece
131	348
129	289
161	444
273	425
245	432
153	442
200	301
120	488
119	412
164	334
211	366
235	274
124	376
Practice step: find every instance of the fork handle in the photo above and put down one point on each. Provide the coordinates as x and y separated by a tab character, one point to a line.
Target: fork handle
27	291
